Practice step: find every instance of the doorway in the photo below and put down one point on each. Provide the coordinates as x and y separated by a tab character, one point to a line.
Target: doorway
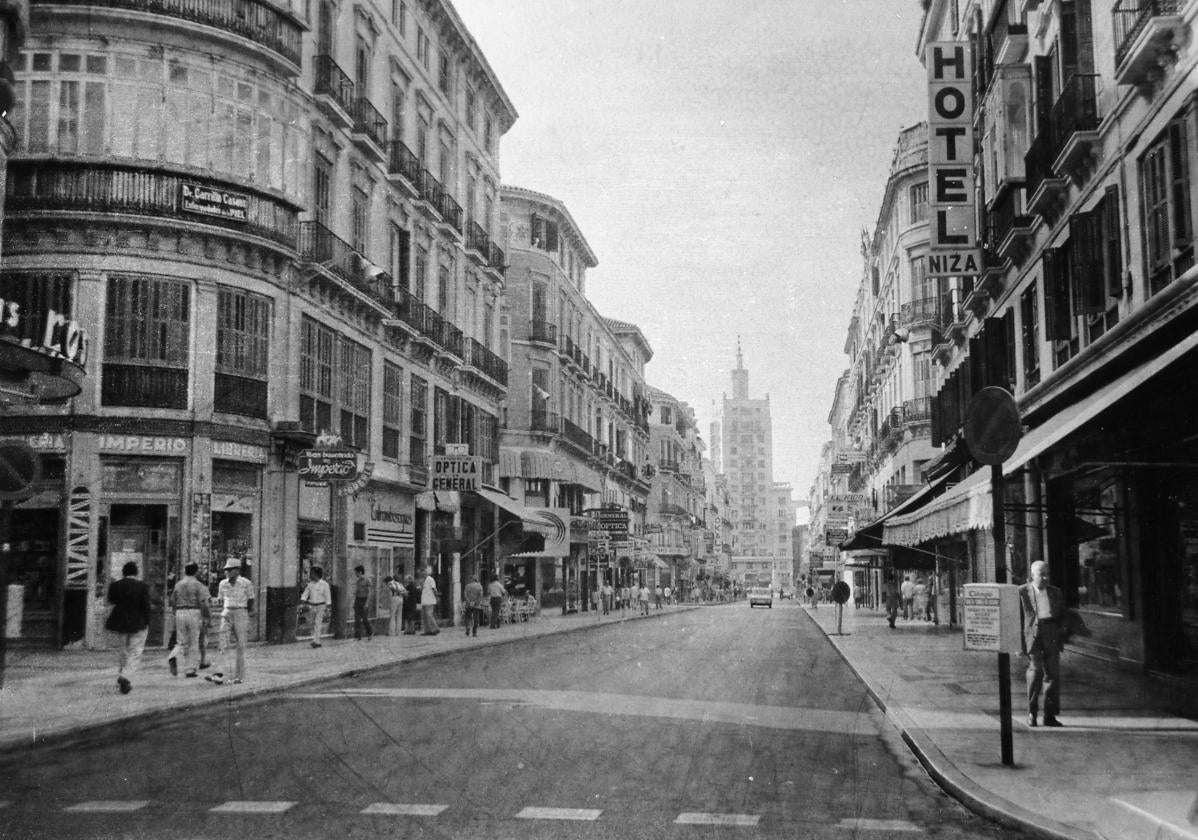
147	535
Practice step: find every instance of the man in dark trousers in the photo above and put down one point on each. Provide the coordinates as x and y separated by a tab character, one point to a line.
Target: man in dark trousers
1042	606
130	621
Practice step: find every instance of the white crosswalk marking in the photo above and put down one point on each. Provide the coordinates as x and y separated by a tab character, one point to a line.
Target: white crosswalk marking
702	818
251	807
403	809
559	814
109	806
866	824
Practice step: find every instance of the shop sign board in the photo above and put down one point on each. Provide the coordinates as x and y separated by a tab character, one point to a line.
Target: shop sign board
835	536
55	335
45	442
317	467
953	231
143	445
992	621
208	201
456	472
614	522
230	450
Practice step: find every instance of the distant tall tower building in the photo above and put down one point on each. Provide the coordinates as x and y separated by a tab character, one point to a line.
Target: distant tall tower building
746	447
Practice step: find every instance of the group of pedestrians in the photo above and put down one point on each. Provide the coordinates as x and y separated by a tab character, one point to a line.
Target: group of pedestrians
917	599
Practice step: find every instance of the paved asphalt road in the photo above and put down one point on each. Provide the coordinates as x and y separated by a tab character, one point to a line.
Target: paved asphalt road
721	722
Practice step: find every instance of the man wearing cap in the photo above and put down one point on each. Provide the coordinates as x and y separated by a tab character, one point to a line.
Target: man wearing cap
237	605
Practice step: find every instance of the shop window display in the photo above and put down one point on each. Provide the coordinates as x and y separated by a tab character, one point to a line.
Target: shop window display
1097	536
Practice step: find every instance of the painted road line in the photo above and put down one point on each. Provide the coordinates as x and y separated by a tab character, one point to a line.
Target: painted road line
251	807
402	809
109	806
559	814
702	818
866	824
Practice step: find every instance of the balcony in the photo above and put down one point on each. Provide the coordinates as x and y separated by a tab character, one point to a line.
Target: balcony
1148	34
496	260
143	386
486	362
919	313
450	212
321	247
369	131
425	321
450	338
579	437
668	465
66	186
334	91
403	168
1045	191
1008	230
478	244
1075	125
430	191
544	421
918	410
261	24
1008	35
542	332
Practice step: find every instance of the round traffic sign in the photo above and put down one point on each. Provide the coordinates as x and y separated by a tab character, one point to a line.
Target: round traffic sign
20	467
992	426
841	592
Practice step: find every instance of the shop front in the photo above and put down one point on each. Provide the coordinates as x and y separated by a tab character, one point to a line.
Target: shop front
140	518
235	512
383	541
314	535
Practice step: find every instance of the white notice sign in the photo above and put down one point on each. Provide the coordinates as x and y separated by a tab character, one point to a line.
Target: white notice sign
991	617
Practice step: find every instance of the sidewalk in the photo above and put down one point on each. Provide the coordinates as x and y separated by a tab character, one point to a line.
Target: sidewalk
58	695
1118	770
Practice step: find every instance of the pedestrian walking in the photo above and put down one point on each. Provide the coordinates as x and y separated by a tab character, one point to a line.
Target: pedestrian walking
396	594
657	597
668	594
317	596
411	606
129	619
642	597
361	600
595	602
189	601
236	595
625	598
907	591
892	600
428	603
473	598
921	600
496	593
1042	606
609	594
930	611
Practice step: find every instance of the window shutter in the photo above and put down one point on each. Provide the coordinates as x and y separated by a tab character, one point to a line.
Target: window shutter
1043	81
537	232
994	340
1086	263
1112	243
1009	340
1056	294
937	439
979	365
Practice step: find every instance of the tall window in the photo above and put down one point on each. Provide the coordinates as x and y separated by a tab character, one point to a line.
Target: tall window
422	48
420	273
419	423
242	352
360	221
317	350
1168	235
355	394
322	188
444	281
471	107
146	354
919	203
392	409
445	73
397	110
401	256
1029	316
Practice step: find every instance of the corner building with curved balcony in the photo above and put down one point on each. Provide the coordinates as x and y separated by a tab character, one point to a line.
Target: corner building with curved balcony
263	247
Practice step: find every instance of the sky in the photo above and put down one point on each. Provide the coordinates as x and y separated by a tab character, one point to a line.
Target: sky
721	157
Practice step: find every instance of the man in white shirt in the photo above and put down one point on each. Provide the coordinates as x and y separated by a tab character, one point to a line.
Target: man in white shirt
907	591
317	596
428	603
237	605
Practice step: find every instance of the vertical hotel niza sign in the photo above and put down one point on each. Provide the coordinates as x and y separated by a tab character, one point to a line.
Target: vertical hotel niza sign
953	248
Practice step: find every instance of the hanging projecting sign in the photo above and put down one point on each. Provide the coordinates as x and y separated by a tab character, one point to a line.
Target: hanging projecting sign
954	248
455	472
317	467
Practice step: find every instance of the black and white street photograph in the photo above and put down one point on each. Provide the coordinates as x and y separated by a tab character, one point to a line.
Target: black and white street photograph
598	419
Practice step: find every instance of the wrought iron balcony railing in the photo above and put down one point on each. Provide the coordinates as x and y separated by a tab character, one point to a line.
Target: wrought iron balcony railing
402	161
255	20
332	81
478	356
542	331
320	246
544	421
921	311
430	189
1076	109
369	123
477	239
63	185
1132	16
579	437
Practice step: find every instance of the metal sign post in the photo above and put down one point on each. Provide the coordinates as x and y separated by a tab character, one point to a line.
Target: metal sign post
992	432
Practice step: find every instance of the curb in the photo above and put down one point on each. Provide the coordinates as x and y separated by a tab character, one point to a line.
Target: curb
11	746
952	779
